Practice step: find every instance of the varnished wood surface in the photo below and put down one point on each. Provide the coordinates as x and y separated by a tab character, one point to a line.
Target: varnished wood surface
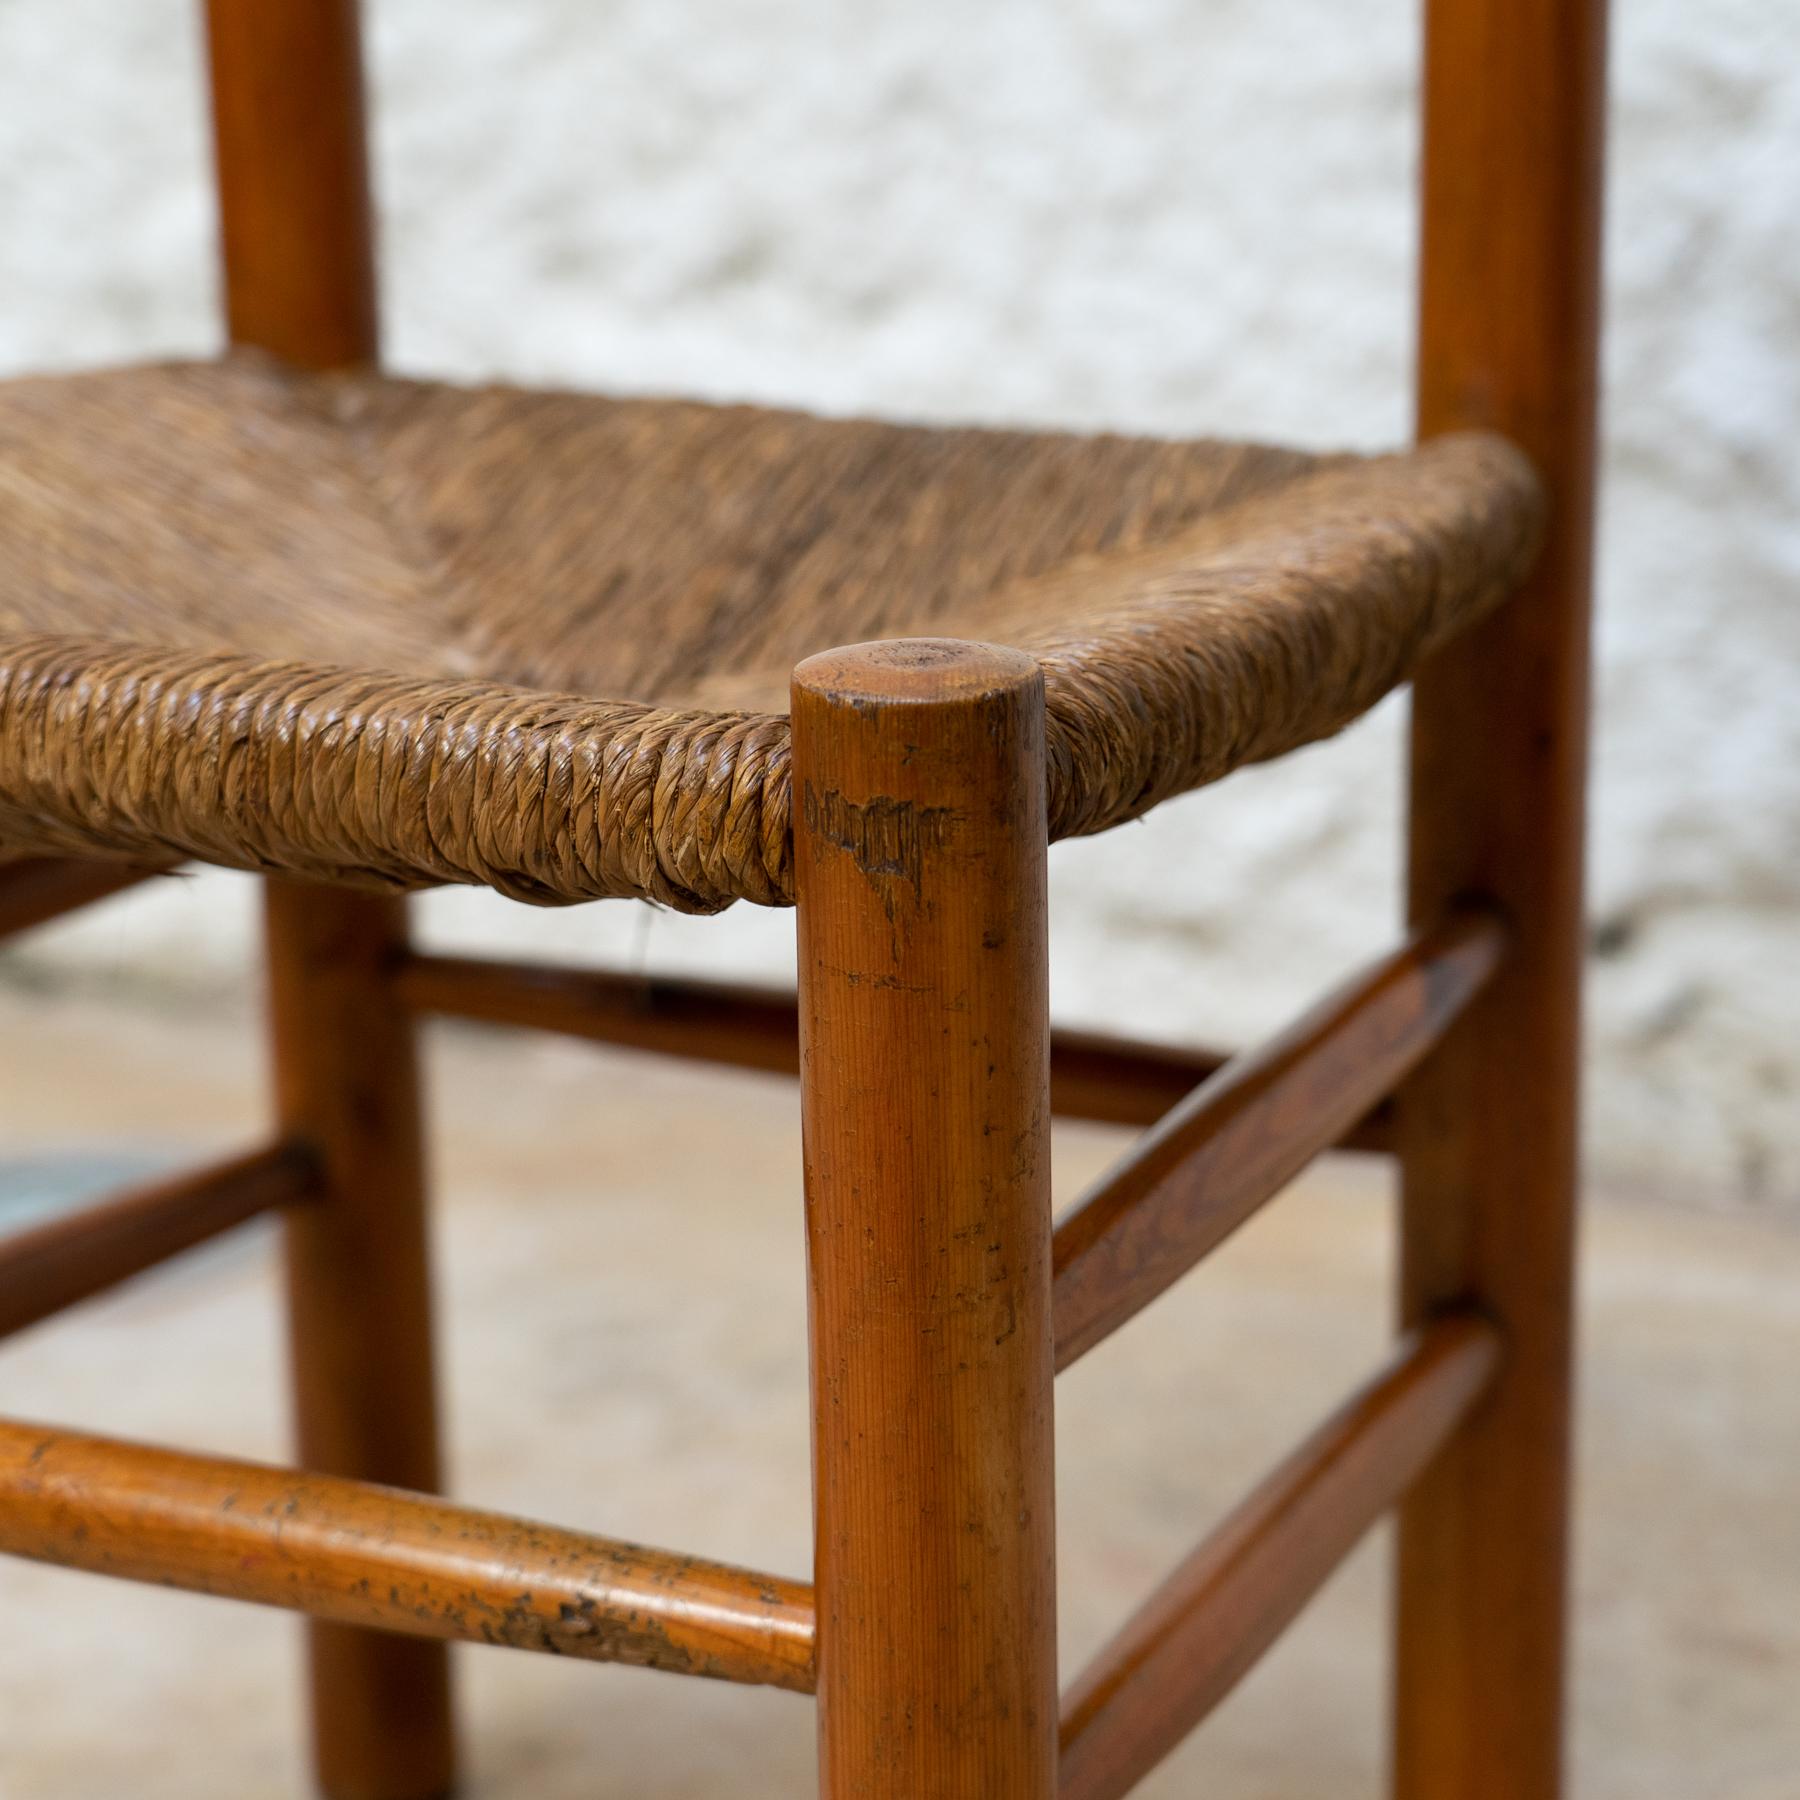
359	1301
1093	1075
920	862
295	218
36	890
1207	1626
926	1080
1514	133
743	1027
54	1265
1239	1139
297	244
373	1556
1120	1081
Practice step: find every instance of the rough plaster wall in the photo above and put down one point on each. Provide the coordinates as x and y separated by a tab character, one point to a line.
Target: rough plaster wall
1156	214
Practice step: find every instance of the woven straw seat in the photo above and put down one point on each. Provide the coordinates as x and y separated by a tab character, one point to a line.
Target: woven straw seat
383	631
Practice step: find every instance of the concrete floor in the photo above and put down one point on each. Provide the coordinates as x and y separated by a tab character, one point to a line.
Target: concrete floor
624	1322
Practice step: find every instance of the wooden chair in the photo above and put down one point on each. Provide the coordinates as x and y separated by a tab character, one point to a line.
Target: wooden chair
363	635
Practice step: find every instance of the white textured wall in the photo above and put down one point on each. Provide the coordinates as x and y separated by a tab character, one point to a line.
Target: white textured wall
1172	215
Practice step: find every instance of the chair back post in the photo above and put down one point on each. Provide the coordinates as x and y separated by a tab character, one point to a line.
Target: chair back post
297	239
1508	339
295	219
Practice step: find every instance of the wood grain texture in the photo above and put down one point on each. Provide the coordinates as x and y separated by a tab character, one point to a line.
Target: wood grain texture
1209	1623
742	1027
295	218
1514	132
359	1302
1240	1138
371	1556
1093	1075
54	1265
1122	1081
920	863
296	236
36	890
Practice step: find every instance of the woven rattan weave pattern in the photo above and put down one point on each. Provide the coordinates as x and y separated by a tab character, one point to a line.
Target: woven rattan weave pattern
403	633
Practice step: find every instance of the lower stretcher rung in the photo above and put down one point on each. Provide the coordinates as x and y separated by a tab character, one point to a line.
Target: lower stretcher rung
1241	1136
52	1266
364	1555
36	890
1092	1075
1206	1627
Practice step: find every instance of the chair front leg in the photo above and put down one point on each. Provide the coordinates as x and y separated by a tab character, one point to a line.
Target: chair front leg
920	846
359	1303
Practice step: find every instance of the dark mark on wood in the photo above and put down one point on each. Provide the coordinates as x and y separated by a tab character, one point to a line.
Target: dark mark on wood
358	1554
882	836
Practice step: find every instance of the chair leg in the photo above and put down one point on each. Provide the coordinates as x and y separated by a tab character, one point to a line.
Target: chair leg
920	869
1508	336
359	1301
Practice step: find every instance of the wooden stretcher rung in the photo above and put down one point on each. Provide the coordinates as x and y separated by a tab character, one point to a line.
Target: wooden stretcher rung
359	1554
36	890
52	1266
1113	1080
1120	1081
745	1027
1235	1142
1206	1627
